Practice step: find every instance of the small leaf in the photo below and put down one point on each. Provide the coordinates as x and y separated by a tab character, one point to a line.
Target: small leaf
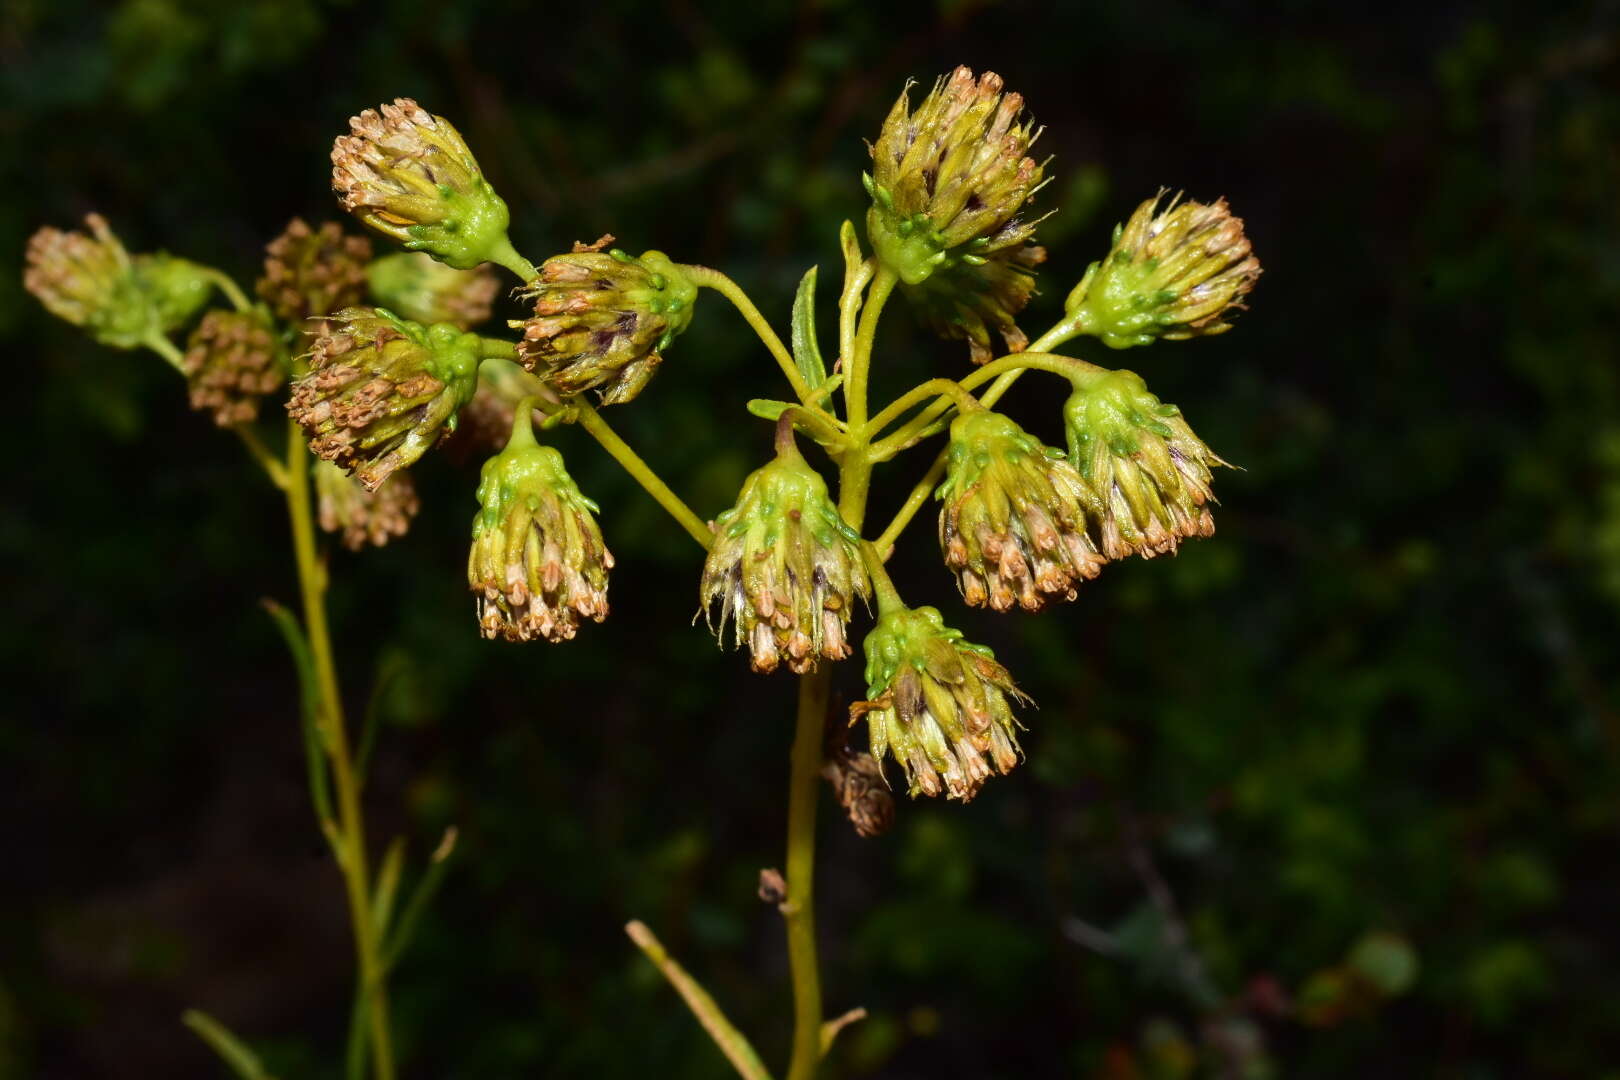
310	696
769	408
806	350
382	903
438	862
231	1050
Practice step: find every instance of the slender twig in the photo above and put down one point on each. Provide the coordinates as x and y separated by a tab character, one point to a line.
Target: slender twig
860	360
731	1042
707	278
166	349
232	291
351	823
506	255
272	466
631	462
945	390
799	910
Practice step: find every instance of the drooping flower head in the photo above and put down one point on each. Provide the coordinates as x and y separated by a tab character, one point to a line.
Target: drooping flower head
420	287
1173	273
382	390
311	273
538	564
232	360
123	301
949	185
937	704
602	320
362	517
785	568
409	175
857	782
1151	473
1013	524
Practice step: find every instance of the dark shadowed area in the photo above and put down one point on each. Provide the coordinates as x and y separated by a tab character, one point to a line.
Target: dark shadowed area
1333	793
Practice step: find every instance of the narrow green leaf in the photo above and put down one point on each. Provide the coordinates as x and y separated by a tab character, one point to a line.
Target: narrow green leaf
354	1055
314	745
391	670
768	408
397	942
806	349
382	903
850	244
231	1050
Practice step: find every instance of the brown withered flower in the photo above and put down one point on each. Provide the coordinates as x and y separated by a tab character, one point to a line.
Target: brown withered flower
311	273
857	781
362	517
232	360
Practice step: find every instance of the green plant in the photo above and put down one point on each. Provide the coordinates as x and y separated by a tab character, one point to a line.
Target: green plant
1022	524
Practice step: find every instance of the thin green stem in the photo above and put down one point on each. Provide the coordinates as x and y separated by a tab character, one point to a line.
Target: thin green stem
167	349
506	255
631	462
849	306
732	1043
707	278
232	291
334	737
272	466
860	360
947	390
799	910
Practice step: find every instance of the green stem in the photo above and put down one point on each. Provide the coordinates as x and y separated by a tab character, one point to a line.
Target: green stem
351	824
165	348
273	468
849	307
732	1043
860	361
707	278
506	255
799	910
947	390
232	292
631	462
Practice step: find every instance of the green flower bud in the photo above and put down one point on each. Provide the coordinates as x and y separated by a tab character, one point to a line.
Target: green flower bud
382	390
538	564
422	288
310	273
409	175
364	517
1172	273
937	704
785	568
1150	472
1013	523
232	360
122	301
603	319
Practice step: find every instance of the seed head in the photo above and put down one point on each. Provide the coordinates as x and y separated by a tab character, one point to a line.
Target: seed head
123	301
538	564
232	360
381	390
785	569
1173	273
310	273
937	704
409	175
1150	472
857	781
603	319
426	290
364	517
1013	524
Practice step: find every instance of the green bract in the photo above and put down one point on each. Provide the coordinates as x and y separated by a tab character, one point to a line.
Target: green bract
1151	472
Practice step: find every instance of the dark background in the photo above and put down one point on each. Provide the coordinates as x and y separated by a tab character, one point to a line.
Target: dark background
1382	700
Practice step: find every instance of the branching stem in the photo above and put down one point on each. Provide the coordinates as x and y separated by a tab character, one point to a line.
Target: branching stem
707	278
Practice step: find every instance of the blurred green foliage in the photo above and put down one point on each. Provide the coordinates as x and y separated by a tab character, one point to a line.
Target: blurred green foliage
1333	793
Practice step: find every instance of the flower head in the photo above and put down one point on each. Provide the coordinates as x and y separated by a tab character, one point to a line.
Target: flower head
381	390
123	301
310	273
364	517
1173	273
420	287
937	704
1013	523
409	175
232	360
538	564
603	319
1150	472
785	569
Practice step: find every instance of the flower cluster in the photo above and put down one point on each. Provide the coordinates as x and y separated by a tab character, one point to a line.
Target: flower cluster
785	569
310	273
538	565
232	360
602	320
382	390
423	289
362	517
